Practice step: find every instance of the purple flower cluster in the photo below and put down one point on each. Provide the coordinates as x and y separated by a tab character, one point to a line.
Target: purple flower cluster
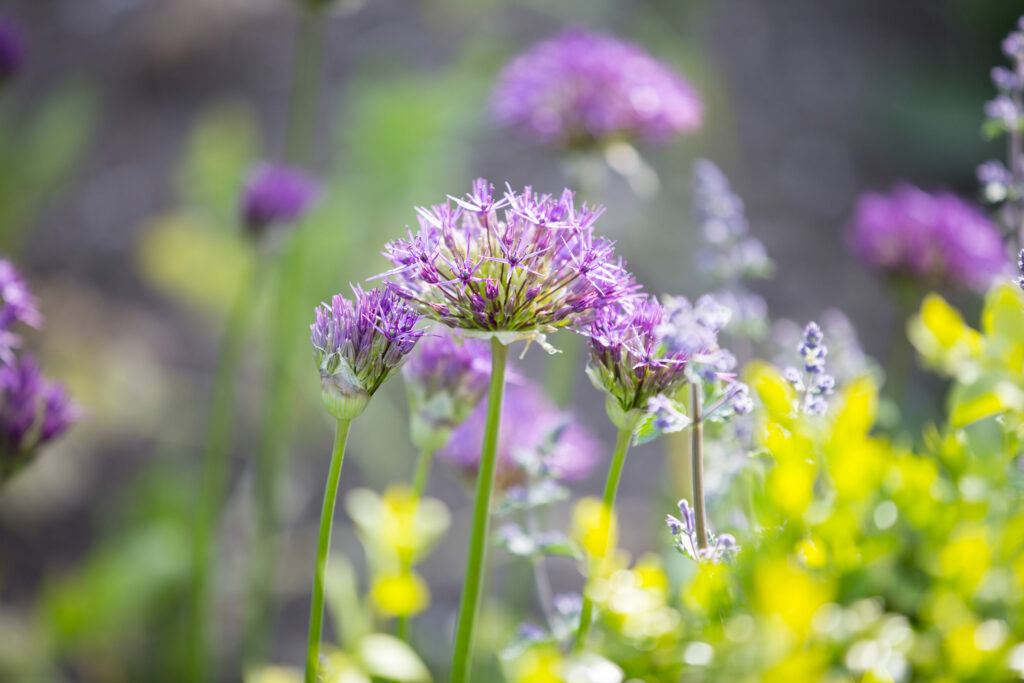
813	383
446	378
684	530
359	344
692	330
530	424
276	194
12	50
582	88
628	360
934	238
33	411
522	263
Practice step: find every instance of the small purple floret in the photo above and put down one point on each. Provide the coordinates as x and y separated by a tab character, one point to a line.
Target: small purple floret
582	88
12	50
276	194
33	412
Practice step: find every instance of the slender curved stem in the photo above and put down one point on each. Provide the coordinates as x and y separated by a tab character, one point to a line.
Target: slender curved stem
215	466
462	655
422	474
323	546
611	489
303	98
697	462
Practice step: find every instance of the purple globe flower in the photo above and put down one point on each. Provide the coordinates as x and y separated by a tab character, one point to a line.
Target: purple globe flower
581	88
360	344
33	412
276	194
516	266
17	306
934	238
530	424
446	378
12	50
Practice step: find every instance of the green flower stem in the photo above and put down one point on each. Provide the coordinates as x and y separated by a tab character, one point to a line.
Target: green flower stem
697	463
560	373
462	655
215	466
611	488
422	474
323	546
305	89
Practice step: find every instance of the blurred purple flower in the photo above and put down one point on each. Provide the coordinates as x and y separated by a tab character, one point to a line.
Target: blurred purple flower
360	344
33	412
929	237
580	88
530	424
276	194
692	330
17	305
534	267
12	50
446	378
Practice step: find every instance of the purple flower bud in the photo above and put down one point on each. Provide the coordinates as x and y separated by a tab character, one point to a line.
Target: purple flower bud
12	50
675	527
359	344
276	194
581	88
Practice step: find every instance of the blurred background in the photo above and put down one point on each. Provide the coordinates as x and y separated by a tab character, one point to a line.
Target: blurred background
124	143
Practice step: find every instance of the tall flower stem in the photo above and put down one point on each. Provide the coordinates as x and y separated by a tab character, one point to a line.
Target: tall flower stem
462	655
560	374
422	473
611	489
323	546
697	464
283	343
215	467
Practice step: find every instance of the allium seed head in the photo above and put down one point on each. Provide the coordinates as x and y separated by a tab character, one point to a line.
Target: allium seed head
581	88
521	264
359	344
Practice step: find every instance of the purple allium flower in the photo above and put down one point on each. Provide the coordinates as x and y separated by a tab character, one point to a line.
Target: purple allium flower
12	50
518	265
446	378
628	360
582	88
929	237
17	306
276	194
33	412
359	344
529	424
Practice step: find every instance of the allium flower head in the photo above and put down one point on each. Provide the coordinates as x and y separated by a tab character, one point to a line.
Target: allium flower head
33	412
929	237
17	306
628	360
276	194
530	425
446	379
12	50
516	266
359	344
582	88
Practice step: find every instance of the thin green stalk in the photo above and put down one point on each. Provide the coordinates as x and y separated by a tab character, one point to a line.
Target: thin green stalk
611	489
697	462
560	373
422	474
323	546
215	466
303	99
462	655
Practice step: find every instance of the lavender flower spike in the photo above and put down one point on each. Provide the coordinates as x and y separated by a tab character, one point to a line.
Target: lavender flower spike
630	362
812	383
513	267
33	412
446	378
582	88
276	194
17	306
360	344
529	424
932	238
12	50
